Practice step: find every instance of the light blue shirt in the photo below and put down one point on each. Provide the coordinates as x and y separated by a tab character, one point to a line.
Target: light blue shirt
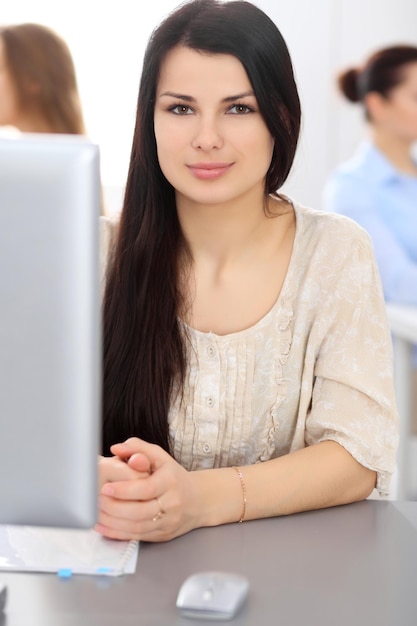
383	200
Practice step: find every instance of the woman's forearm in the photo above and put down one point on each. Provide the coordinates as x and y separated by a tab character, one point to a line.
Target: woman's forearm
312	478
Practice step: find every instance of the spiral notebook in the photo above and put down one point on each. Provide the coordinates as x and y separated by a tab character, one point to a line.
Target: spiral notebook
65	552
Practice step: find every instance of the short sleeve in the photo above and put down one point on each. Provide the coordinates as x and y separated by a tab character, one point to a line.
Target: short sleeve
353	400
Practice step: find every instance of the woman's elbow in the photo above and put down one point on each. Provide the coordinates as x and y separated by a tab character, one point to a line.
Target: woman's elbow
365	483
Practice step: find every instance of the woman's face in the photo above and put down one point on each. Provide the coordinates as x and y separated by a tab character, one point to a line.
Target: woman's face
8	96
398	112
213	144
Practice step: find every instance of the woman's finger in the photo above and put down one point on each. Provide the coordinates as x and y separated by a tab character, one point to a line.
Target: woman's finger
133	490
133	520
156	455
113	469
129	510
140	463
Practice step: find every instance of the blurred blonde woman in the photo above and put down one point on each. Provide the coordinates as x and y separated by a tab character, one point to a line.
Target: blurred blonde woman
38	86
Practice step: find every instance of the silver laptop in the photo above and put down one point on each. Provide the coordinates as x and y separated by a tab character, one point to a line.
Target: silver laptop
50	333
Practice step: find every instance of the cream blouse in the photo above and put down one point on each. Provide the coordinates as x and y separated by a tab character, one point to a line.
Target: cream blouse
317	366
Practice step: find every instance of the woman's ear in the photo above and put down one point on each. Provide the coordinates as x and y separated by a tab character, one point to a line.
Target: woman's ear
376	105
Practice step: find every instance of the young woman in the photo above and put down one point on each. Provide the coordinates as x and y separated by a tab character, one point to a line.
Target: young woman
38	87
247	362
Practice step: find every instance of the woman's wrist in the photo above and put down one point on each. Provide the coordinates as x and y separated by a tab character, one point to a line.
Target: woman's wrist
218	497
243	485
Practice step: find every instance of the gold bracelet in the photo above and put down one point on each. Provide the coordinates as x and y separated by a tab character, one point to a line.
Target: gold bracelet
242	482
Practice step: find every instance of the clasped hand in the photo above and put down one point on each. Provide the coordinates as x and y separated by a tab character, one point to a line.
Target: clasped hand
144	494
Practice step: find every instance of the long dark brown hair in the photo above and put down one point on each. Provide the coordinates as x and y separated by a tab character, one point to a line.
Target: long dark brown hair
145	351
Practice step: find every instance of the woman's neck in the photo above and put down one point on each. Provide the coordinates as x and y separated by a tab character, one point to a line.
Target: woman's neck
395	149
225	232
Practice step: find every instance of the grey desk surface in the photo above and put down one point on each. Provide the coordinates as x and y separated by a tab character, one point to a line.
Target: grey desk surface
349	565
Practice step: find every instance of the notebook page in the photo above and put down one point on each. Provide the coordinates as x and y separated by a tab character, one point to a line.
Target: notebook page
64	551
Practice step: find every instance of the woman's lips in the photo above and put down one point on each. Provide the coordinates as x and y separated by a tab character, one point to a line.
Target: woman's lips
209	171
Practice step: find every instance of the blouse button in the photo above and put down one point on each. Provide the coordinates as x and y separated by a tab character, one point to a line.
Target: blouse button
206	448
211	351
210	402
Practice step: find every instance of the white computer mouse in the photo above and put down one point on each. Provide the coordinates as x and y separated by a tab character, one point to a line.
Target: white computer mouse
212	595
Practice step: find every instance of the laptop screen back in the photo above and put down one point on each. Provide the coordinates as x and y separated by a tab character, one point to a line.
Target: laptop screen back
50	334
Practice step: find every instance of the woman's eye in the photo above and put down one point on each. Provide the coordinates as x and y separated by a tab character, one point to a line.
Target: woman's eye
240	109
181	109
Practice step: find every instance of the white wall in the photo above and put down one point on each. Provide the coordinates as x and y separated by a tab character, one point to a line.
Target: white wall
108	39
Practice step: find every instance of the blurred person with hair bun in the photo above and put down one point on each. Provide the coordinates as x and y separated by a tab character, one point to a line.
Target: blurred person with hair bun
378	186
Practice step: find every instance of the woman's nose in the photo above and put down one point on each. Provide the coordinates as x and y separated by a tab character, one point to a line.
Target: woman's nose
207	135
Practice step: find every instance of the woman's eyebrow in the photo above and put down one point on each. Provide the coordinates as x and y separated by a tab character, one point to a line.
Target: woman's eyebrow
238	96
180	96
